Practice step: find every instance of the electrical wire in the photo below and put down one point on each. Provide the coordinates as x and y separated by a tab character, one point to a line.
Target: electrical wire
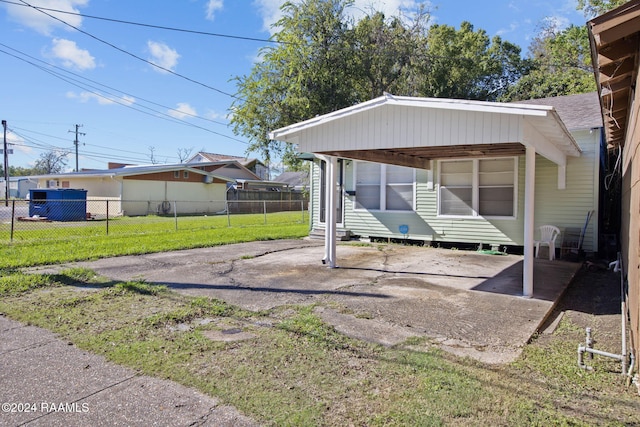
140	24
117	98
132	54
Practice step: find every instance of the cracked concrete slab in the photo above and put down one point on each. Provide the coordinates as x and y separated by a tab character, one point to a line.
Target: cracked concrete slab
463	297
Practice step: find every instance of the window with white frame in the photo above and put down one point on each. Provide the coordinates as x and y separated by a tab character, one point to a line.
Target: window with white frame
384	187
478	187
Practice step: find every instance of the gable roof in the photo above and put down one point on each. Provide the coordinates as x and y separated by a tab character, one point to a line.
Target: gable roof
132	171
581	111
214	157
293	179
411	131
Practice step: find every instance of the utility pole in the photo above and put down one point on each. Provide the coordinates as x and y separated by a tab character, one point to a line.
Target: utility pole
6	165
76	143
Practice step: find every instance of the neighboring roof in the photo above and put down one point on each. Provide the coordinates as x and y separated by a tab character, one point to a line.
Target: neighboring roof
131	171
615	47
411	131
580	111
214	157
294	179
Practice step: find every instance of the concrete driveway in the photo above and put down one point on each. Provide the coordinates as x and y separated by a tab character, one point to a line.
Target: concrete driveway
464	302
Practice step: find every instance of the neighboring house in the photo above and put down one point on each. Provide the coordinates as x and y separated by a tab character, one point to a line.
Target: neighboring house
141	190
18	187
254	165
445	170
615	51
297	181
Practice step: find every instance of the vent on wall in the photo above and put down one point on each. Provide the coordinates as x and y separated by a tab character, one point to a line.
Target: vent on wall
208	179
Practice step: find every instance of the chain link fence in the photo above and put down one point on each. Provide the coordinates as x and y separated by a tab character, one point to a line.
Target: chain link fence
22	220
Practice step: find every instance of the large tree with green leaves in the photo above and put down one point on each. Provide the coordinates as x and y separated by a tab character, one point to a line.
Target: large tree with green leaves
466	63
304	74
322	60
560	64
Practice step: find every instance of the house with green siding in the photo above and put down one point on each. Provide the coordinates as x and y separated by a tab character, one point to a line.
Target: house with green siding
454	171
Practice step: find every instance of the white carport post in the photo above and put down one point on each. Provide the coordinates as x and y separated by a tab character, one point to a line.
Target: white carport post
330	210
529	206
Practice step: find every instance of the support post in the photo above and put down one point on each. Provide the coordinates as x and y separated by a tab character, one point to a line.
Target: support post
330	231
529	207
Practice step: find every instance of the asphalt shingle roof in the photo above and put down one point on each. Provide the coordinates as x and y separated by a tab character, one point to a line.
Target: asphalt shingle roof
580	111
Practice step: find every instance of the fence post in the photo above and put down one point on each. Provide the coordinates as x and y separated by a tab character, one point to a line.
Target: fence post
226	206
264	209
107	217
13	217
175	214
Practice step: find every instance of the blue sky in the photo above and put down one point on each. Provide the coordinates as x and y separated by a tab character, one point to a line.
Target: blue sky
54	76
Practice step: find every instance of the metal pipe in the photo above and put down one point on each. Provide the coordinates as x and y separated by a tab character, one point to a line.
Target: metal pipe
588	348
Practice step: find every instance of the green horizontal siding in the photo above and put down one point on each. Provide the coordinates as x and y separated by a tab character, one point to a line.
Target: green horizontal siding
564	208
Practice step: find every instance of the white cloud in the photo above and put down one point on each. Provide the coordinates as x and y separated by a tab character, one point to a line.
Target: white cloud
16	142
214	115
71	55
212	7
183	110
162	55
101	99
42	23
558	22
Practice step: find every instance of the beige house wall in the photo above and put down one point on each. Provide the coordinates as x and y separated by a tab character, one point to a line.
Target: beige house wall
142	197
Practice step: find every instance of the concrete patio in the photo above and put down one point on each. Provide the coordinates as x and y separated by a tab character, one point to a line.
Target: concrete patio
464	302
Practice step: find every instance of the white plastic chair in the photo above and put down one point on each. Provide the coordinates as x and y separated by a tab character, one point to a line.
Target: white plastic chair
548	236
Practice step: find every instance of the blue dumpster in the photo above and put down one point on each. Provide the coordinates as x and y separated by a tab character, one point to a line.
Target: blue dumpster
58	204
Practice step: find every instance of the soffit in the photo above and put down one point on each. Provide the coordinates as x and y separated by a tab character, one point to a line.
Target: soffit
615	45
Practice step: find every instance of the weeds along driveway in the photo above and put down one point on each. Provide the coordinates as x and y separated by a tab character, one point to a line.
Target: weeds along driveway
465	302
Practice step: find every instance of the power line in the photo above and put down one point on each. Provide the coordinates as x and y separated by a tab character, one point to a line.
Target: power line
140	24
118	99
131	54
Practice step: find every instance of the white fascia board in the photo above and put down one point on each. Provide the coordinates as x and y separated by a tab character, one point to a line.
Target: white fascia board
288	133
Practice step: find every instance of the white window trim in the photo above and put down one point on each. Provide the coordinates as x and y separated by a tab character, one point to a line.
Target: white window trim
475	187
383	192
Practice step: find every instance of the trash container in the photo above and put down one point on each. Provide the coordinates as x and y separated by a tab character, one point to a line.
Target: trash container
58	204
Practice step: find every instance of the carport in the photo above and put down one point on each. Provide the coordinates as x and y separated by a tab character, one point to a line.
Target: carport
409	131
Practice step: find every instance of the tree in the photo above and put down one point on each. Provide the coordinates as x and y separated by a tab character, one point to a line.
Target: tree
50	162
384	52
17	171
598	7
324	61
184	154
468	64
305	74
560	64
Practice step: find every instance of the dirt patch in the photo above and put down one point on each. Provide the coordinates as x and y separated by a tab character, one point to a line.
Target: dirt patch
591	300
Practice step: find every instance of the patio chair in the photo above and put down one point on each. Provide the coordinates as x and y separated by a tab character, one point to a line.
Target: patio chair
548	235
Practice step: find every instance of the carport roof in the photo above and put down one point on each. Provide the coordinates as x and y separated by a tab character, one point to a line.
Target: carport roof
410	131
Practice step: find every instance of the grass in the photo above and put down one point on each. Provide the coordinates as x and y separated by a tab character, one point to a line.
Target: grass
297	370
49	245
